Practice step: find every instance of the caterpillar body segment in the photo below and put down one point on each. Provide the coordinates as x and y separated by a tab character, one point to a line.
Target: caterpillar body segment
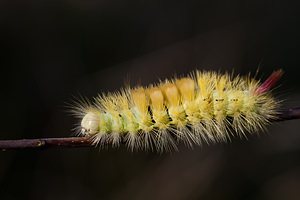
206	107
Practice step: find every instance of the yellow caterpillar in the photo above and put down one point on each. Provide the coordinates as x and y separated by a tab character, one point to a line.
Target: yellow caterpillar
204	107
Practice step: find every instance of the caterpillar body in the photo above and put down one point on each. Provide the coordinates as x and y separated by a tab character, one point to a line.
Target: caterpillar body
204	107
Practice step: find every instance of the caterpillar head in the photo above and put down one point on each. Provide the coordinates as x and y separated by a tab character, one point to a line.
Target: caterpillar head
90	124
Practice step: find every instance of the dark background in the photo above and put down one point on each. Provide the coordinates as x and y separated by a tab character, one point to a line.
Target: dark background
52	50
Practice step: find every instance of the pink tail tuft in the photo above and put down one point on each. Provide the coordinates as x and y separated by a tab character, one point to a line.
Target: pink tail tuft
269	82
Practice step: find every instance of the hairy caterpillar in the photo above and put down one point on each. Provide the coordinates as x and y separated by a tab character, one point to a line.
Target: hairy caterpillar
203	107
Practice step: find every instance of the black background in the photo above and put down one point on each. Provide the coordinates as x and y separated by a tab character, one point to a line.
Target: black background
52	50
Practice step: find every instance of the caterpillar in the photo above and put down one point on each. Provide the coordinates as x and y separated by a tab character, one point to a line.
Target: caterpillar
204	107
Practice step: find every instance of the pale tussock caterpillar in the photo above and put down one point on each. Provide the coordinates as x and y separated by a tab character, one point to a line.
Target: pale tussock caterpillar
204	107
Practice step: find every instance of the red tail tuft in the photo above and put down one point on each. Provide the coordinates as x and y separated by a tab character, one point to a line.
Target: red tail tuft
275	76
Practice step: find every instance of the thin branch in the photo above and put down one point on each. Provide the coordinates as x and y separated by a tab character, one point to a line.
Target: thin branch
44	143
292	113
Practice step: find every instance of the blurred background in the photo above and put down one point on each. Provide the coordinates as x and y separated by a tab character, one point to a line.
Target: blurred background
52	50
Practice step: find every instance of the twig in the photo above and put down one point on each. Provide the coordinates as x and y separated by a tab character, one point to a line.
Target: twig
44	143
292	113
